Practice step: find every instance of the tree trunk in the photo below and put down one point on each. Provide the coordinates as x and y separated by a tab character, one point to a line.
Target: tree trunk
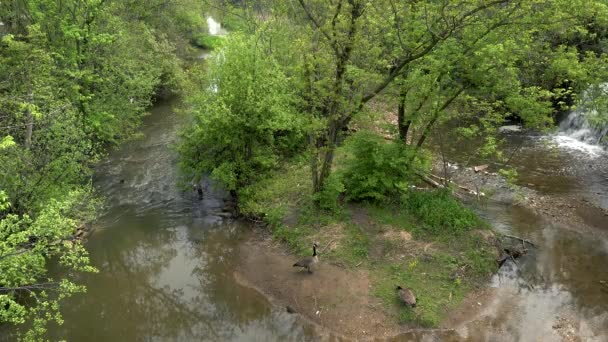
314	161
402	123
429	126
324	151
28	128
332	141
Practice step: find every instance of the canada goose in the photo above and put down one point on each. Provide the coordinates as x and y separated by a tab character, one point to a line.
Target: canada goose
310	261
406	296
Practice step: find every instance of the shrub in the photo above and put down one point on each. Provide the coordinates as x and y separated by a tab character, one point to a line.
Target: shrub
328	198
440	213
376	169
206	41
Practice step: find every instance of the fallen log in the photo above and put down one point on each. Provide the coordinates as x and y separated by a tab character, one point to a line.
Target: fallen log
461	187
521	239
429	181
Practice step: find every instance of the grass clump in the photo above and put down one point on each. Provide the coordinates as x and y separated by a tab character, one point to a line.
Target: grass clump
439	213
429	279
208	42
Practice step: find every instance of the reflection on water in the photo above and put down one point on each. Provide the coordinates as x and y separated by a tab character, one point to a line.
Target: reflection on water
562	278
166	259
166	262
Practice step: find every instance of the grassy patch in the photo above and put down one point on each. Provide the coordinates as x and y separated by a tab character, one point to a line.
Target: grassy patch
429	279
440	213
444	260
354	247
205	41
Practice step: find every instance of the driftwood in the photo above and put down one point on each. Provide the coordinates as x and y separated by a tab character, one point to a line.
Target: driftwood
429	181
511	253
480	167
436	184
521	239
461	187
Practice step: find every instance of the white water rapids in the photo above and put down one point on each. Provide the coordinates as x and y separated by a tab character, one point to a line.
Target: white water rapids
577	134
215	28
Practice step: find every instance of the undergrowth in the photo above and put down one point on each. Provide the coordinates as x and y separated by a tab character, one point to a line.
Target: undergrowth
205	41
456	261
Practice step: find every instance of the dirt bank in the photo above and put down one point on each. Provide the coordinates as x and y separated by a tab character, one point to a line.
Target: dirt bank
332	297
570	210
341	300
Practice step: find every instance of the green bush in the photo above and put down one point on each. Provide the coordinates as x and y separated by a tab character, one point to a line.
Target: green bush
205	41
440	213
376	169
328	198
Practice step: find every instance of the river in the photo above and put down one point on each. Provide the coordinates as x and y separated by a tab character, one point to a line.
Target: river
167	260
166	263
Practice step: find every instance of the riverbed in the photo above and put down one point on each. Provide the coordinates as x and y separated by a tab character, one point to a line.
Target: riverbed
165	258
167	262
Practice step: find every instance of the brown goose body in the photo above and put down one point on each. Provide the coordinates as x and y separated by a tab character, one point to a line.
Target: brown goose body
406	296
309	262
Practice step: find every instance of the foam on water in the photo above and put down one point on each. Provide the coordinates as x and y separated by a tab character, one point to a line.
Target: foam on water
576	133
215	28
573	144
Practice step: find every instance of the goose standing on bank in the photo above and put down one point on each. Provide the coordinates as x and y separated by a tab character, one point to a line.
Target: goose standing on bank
309	262
406	296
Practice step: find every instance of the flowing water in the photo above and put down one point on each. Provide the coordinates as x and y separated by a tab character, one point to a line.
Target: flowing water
215	28
166	263
167	259
558	291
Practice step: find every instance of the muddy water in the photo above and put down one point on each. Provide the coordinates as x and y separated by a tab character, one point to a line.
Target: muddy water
558	291
554	292
166	259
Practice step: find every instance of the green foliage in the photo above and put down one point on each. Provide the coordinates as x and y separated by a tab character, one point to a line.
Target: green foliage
208	42
376	169
242	118
236	20
439	213
272	197
77	77
509	174
26	243
329	198
595	105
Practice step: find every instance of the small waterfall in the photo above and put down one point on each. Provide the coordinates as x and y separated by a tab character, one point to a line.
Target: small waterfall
577	126
576	132
215	28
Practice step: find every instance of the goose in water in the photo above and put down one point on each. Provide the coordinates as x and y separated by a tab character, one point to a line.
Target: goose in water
406	296
310	261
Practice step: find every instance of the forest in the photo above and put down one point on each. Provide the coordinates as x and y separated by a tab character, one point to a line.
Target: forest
310	109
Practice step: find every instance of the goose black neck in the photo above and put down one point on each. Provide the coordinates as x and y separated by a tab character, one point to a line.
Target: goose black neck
314	250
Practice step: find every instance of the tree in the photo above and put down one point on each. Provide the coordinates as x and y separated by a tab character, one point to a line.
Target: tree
445	55
244	119
75	78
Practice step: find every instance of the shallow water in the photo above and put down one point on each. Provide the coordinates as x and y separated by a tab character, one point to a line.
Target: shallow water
166	259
